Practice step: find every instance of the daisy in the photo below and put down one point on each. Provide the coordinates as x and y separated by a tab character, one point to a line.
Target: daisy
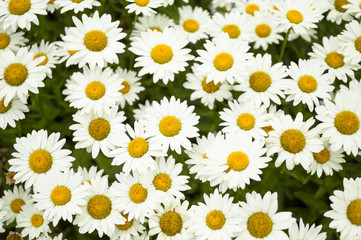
340	122
139	113
95	90
171	221
153	22
161	53
143	6
130	230
14	111
95	40
14	235
102	209
216	219
51	6
353	8
305	232
223	59
260	219
223	5
88	175
308	84
21	74
207	92
330	56
77	5
136	152
350	42
131	86
2	215
171	123
263	81
10	40
60	195
353	86
47	50
338	12
251	7
21	13
98	132
293	140
37	154
310	36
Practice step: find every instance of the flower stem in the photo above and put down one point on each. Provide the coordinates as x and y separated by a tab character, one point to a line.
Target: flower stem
284	45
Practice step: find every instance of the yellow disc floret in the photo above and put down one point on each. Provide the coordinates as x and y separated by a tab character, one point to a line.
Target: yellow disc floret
60	195
293	141
95	40
223	61
99	207
251	8
307	84
347	122
294	16
354	212
137	193
237	161
161	53
40	161
170	126
16	205
246	121
126	87
215	220
170	223
155	28
191	25
334	60
260	81
77	1
99	128
138	147
4	40
339	5
357	43
141	3
232	30
162	182
3	108
15	74
322	157
41	55
259	225
19	7
95	90
126	225
263	30
210	87
37	220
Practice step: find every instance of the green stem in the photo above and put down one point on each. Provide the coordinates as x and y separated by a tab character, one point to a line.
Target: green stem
284	45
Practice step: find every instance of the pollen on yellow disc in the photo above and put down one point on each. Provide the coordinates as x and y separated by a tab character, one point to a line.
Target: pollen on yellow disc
19	7
170	126
156	28
223	61
37	220
41	55
3	108
161	53
126	225
215	220
259	225
339	5
237	161
322	157
138	147
251	8
334	60
232	30
77	1
4	40
40	161
15	74
16	205
72	52
263	30
170	223
126	87
95	40
246	121
354	212
307	84
347	122
294	16
210	87
141	3
191	25
99	207
95	90
137	193
99	128
162	182
357	43
293	141
51	1
60	195
260	81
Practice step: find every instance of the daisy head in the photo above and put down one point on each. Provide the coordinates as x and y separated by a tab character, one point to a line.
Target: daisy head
350	42
88	175
12	112
252	7
302	231
77	5
157	22
353	8
338	11
10	40
130	230
143	6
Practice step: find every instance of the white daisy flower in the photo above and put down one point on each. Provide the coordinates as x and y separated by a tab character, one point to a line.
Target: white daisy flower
161	54
143	6
252	7
338	12
306	232
98	132
88	175
130	230
353	86
102	209
95	40
2	215
21	13
223	60
216	219
51	6
47	50
308	84
76	5
263	81
21	74
139	113
37	154
293	140
350	41
62	52
310	36
10	40
153	22
171	123
14	111
224	5
94	90
260	219
14	235
353	8
60	195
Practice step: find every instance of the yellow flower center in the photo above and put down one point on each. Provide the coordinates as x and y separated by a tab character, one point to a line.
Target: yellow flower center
232	30
126	225
357	43
260	81
60	195
141	3
126	87
77	1
19	7
16	205
339	5
14	236
223	61
41	55
40	161
251	8
170	126
161	53
263	30
246	121
347	122
354	212
293	141
215	220
4	40
36	220
99	128
210	87
138	193
72	52
267	129
334	60
95	90
3	108
15	74
162	182
259	225
294	16
191	25
237	161
307	84
322	157
138	147
95	40
155	28
171	223
99	207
